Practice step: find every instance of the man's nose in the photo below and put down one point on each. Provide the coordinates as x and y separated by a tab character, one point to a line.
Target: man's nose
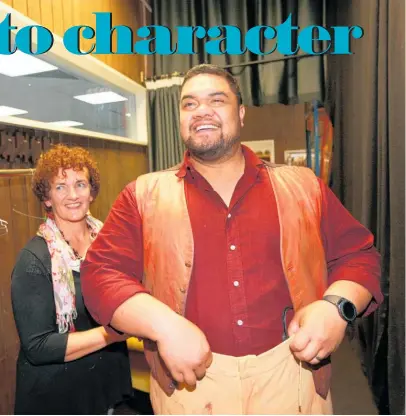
204	109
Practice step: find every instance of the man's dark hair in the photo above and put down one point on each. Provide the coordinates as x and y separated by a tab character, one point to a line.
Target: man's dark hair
210	69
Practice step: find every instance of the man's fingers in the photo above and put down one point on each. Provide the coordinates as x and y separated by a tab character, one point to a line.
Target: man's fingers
177	376
315	361
299	341
309	349
308	353
200	372
209	359
293	328
189	378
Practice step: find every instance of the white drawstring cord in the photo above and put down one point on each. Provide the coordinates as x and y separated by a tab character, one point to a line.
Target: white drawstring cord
300	387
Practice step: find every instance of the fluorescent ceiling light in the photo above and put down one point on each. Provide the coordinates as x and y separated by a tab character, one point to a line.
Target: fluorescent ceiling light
10	111
101	97
66	123
128	114
19	64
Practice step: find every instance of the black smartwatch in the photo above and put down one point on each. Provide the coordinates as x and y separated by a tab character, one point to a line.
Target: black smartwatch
346	309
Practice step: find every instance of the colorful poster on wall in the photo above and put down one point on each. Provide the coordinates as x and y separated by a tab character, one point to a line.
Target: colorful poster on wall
264	149
297	157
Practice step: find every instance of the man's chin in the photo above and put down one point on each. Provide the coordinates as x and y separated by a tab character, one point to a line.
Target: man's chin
206	153
208	139
208	150
202	145
206	147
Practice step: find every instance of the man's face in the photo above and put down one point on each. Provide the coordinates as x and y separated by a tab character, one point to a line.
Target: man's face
210	116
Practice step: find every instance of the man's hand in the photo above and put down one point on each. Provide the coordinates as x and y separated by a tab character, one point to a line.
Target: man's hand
185	350
182	345
112	336
316	330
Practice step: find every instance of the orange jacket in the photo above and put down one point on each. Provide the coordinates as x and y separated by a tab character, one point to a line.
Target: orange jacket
168	246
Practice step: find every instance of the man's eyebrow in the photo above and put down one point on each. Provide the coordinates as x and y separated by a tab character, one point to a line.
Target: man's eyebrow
212	94
188	96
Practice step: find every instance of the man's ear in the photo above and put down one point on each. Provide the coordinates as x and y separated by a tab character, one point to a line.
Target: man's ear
242	114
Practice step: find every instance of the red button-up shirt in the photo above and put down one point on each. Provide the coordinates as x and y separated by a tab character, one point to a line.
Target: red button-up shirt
238	290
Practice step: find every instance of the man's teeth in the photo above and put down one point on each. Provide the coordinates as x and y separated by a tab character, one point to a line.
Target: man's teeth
206	126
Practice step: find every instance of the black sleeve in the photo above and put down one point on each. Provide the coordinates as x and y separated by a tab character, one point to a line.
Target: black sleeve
34	312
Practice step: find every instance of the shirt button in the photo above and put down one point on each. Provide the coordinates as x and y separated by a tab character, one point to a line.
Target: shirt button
232	247
229	216
236	283
240	322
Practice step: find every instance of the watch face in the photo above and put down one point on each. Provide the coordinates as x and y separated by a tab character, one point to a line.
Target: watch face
349	311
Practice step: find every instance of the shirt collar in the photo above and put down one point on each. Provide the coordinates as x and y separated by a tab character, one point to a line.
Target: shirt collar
252	162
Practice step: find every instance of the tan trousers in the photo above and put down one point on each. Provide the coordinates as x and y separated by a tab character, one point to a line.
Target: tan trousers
270	383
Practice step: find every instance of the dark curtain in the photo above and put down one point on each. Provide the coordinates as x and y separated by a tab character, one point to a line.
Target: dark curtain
287	82
165	146
365	97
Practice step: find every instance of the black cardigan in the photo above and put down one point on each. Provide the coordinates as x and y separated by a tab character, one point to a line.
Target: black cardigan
45	383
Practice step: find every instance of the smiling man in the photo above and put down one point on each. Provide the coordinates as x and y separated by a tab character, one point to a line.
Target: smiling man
204	260
210	117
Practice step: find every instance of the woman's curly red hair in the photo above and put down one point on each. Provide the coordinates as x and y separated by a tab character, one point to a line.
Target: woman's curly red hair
61	156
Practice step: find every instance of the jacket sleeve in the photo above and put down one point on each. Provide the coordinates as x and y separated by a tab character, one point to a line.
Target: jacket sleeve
349	248
34	312
113	269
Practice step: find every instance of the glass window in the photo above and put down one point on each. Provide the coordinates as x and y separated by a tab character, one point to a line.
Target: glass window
39	89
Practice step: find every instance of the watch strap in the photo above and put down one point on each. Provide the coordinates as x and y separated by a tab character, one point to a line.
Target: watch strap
334	299
337	301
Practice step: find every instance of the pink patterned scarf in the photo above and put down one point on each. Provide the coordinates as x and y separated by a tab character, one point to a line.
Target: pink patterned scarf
63	261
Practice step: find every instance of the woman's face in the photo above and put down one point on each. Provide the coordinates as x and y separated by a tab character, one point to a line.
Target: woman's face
69	195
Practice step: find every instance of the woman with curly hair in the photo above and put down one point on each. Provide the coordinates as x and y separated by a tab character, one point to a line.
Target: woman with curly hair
67	364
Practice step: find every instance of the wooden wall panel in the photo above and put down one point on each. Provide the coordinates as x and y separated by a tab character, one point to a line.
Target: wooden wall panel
131	164
8	336
34	210
67	15
112	154
78	18
19	225
120	16
105	6
47	18
33	10
21	6
119	164
99	206
283	123
59	15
